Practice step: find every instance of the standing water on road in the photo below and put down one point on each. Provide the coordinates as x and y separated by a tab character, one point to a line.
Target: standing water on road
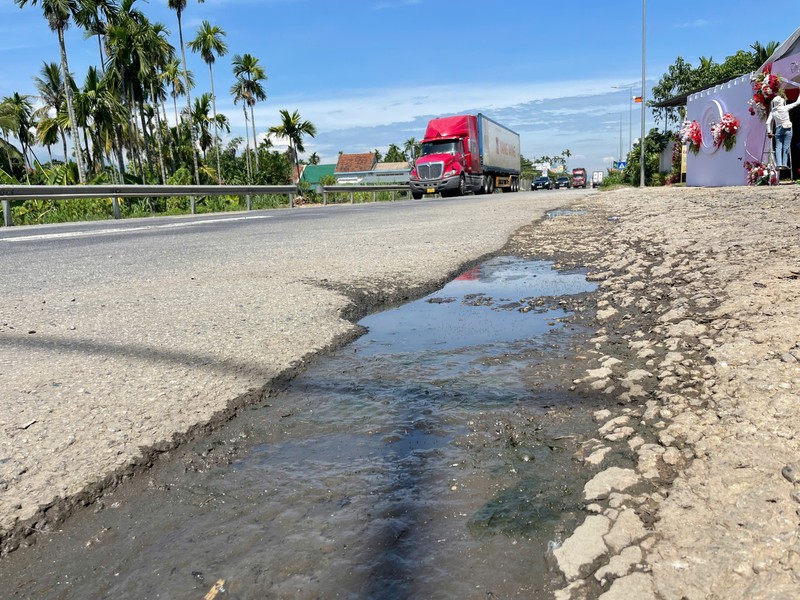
431	458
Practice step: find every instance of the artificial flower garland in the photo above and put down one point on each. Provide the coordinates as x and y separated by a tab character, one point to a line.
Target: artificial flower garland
765	87
759	173
691	135
724	132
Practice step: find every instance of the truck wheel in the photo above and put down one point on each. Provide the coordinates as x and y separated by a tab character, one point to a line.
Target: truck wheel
416	195
490	184
462	186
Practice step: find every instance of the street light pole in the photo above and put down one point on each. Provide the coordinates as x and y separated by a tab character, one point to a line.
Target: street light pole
644	104
630	110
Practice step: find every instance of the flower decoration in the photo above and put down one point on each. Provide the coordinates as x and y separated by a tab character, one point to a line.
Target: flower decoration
765	87
691	135
724	132
760	174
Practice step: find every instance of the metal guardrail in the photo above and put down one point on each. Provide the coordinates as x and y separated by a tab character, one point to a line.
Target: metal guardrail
9	193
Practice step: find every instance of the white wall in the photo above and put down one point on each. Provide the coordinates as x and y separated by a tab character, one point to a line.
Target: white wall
716	166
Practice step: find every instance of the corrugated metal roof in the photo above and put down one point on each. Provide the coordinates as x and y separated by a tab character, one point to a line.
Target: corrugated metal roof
313	173
394	166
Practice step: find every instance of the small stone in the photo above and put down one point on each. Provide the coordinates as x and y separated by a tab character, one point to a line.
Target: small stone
791	474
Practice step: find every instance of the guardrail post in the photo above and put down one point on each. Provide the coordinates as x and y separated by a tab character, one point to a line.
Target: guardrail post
324	198
193	204
374	196
291	200
249	202
115	208
393	195
7	213
351	196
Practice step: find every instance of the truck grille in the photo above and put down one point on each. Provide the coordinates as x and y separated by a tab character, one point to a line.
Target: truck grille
430	170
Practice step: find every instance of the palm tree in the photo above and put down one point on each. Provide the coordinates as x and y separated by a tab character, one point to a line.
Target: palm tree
566	154
240	93
209	45
246	67
313	159
52	96
293	129
21	110
761	53
9	123
172	75
411	149
94	16
58	14
178	6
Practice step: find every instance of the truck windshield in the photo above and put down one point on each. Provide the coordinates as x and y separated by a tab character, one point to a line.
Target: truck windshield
440	147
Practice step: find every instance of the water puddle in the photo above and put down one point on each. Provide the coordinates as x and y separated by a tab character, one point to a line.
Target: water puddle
431	458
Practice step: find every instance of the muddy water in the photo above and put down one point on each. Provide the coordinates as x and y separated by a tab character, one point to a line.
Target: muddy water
431	458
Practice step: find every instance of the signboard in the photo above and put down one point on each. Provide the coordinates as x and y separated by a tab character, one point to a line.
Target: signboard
620	164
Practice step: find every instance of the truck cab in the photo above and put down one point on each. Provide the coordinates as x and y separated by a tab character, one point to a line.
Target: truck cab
466	153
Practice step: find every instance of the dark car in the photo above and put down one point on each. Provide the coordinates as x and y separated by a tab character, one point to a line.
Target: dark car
563	181
543	183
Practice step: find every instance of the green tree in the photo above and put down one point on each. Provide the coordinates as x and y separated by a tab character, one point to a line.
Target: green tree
52	93
179	6
313	159
411	148
58	14
209	44
247	69
394	154
293	128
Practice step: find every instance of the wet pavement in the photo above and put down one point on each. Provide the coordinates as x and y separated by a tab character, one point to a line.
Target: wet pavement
430	458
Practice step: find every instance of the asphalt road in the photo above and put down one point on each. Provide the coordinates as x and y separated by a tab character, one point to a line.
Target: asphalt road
124	336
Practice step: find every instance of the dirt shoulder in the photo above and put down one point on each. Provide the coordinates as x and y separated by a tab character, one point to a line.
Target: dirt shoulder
697	460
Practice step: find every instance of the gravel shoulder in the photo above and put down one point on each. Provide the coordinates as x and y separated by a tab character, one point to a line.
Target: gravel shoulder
696	462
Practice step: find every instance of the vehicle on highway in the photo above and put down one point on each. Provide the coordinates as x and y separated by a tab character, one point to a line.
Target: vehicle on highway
597	178
542	183
563	182
579	177
466	153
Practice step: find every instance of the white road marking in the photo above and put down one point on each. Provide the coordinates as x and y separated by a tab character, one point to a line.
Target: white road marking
74	234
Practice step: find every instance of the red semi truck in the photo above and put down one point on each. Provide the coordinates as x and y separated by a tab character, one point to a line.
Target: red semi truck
579	178
466	153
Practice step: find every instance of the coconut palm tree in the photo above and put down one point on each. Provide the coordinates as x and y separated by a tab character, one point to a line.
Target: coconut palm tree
209	45
246	67
179	6
293	129
58	14
313	159
52	95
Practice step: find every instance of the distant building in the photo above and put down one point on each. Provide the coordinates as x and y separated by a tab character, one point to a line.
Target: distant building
362	168
396	172
312	174
352	168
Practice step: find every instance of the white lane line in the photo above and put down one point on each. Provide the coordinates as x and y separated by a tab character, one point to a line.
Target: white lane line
74	234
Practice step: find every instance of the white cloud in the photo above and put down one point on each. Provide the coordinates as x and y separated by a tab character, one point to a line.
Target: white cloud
697	23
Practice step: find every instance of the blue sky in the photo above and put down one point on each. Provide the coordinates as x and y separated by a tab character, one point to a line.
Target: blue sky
369	73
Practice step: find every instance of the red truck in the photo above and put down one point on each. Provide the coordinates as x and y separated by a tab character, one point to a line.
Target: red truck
466	153
579	178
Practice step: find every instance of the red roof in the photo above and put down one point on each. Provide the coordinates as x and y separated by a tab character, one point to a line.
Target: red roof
355	163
